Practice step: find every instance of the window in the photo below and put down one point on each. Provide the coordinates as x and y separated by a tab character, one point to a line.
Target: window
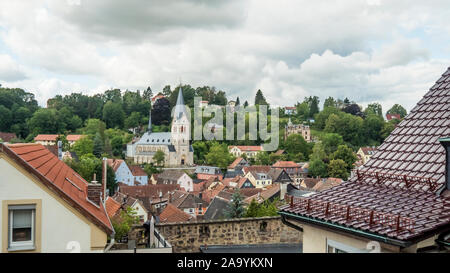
337	247
21	227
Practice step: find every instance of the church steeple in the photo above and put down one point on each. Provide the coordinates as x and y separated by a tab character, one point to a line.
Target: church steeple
180	108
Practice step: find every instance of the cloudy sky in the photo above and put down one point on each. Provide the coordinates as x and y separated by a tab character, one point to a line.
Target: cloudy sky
367	50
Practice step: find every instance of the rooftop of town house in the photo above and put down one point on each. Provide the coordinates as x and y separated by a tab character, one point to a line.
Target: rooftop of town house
400	193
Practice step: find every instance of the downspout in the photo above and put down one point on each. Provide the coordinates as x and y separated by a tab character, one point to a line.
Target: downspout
111	243
289	224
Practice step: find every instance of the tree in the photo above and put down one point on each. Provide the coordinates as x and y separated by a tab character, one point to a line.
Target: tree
98	146
148	94
295	144
330	102
321	118
338	168
331	141
83	146
374	109
117	145
161	113
113	115
372	128
353	109
245	103
235	208
133	120
45	121
219	155
262	158
260	99
110	177
6	118
313	103
346	154
252	210
318	152
397	109
238	102
123	222
94	126
317	168
159	158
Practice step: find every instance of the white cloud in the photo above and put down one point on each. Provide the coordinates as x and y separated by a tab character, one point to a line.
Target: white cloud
366	50
10	71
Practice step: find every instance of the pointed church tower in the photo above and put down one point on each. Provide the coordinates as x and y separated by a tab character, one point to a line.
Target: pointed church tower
181	131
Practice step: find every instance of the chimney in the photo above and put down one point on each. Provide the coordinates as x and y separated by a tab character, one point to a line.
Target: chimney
104	179
170	197
59	149
446	143
94	191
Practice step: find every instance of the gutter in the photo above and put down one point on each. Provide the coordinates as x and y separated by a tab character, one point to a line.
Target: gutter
289	224
350	230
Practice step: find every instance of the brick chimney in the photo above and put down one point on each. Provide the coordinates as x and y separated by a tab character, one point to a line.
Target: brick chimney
94	191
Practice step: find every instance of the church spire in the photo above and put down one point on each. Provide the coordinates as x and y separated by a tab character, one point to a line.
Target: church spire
180	107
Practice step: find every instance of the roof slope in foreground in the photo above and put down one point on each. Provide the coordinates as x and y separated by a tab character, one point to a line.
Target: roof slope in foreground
396	193
56	175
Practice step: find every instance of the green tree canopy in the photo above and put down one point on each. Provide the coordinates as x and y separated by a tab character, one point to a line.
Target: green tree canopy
397	109
113	115
317	168
338	168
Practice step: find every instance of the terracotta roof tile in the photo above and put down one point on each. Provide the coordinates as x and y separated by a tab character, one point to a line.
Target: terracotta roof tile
137	171
112	207
55	174
172	214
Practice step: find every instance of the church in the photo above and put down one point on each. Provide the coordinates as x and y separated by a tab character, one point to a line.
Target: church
175	144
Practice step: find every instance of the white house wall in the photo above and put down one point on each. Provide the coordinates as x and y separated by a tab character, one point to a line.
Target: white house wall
59	225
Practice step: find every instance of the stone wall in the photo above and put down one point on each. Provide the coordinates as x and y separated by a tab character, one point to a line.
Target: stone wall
189	236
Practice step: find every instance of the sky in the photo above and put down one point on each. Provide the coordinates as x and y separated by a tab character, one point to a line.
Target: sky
367	50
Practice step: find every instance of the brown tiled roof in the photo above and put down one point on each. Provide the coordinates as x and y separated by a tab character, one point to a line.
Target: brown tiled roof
327	184
395	194
137	171
235	163
368	150
279	152
309	183
74	137
265	194
6	137
256	169
172	214
59	177
112	207
45	138
114	163
247	148
392	116
149	191
285	164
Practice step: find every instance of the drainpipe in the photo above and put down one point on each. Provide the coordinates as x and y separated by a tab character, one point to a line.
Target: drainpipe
111	243
289	224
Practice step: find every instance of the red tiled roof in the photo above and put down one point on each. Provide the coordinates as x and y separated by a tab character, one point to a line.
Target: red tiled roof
247	148
235	163
137	171
279	152
263	195
285	164
256	169
157	97
112	207
59	177
74	137
151	191
368	150
6	137
392	116
172	214
290	108
114	163
45	138
395	194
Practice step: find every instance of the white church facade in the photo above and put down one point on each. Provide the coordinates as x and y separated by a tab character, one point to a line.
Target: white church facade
175	144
